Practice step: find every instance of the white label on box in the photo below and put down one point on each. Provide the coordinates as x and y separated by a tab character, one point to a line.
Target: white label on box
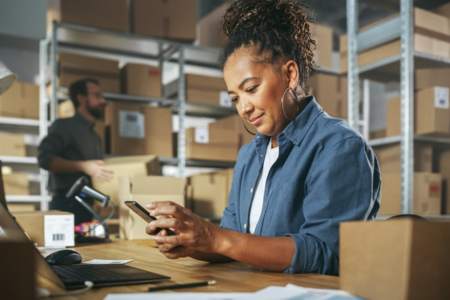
225	99
59	231
441	97
201	135
131	124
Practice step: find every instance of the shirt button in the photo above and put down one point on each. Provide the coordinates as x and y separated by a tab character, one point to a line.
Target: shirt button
251	190
245	226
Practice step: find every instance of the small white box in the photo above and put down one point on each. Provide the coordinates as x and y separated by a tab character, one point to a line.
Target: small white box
51	229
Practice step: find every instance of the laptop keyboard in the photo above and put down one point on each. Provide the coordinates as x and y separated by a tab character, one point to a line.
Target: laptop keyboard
102	273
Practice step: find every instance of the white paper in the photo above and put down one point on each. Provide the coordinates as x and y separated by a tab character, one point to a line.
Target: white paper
288	292
201	135
108	261
225	99
59	231
131	124
441	97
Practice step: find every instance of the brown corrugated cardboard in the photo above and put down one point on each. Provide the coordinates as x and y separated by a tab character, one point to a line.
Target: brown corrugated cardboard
209	28
171	19
49	229
430	21
426	78
141	80
21	207
427	194
208	193
218	144
389	158
398	259
323	36
235	123
331	92
444	170
73	67
432	113
13	144
146	189
137	129
126	166
444	10
21	100
104	14
66	109
16	184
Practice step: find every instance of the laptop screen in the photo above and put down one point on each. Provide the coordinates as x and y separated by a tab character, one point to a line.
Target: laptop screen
10	228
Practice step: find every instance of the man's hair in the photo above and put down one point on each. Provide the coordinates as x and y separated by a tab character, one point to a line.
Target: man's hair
79	87
278	28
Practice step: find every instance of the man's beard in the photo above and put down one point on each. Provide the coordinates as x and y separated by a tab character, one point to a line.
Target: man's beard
98	113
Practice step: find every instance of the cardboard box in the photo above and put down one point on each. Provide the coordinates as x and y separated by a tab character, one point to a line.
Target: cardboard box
432	113
51	229
210	30
170	19
21	100
21	207
208	193
235	123
126	166
141	80
138	129
202	89
444	10
398	259
104	14
66	109
427	193
13	144
73	67
331	92
219	144
389	158
16	184
146	189
323	54
444	170
427	78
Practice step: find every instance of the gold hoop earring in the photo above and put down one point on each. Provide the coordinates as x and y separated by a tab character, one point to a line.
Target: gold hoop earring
294	102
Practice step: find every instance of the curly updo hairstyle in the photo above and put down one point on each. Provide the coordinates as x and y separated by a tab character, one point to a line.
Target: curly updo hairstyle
276	27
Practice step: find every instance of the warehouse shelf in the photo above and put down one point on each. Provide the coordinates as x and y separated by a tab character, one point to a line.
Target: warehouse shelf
19	122
205	110
197	163
27	198
19	160
388	69
430	217
418	138
125	97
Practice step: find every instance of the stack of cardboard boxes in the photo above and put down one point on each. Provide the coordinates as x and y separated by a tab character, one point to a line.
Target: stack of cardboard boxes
331	93
431	36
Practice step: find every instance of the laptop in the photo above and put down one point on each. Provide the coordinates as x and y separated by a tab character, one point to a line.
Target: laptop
73	276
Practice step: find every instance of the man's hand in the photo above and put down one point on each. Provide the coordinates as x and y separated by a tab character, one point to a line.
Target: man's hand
97	170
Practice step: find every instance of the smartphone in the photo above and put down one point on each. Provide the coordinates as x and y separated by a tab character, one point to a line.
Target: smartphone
144	214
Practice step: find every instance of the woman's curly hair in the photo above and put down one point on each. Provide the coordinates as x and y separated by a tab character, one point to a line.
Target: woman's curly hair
277	27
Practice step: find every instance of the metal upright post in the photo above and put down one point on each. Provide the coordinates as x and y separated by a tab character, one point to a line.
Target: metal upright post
407	105
366	109
181	115
43	116
54	71
352	67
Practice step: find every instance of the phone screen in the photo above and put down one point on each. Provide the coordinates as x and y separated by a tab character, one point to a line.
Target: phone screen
140	211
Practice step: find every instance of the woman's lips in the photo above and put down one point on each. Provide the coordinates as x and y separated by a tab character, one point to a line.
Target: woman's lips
256	121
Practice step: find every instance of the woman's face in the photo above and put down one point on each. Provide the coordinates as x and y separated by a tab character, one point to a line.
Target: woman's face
256	88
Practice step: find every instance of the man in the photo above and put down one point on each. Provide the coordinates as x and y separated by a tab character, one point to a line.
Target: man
72	148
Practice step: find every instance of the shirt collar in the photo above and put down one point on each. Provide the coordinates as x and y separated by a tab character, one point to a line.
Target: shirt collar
79	117
296	130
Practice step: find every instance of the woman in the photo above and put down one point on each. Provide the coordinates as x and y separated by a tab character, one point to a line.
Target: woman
304	172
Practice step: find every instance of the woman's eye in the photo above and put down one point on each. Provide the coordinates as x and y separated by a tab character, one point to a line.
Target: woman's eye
234	99
251	89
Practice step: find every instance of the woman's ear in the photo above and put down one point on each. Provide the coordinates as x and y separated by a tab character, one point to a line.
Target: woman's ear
292	74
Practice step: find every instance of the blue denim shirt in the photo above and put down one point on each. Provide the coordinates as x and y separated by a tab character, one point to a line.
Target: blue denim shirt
325	174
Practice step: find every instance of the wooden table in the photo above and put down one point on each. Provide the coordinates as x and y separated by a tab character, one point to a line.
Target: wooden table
230	277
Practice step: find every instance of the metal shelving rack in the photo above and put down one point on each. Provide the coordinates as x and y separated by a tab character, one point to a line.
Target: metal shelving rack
387	70
95	42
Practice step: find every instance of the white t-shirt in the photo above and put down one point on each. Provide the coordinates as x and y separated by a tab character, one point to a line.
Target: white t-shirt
258	198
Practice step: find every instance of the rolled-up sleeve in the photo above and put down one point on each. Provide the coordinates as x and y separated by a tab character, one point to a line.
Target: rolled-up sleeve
52	145
343	185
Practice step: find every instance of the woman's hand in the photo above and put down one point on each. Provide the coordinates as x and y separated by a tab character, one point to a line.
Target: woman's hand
192	233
